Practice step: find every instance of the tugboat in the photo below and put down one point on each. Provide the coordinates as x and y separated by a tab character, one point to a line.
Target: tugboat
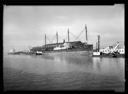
38	53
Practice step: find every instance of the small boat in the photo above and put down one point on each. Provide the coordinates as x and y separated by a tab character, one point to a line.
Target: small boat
39	52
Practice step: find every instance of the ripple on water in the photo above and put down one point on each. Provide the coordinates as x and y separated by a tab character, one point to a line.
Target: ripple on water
16	80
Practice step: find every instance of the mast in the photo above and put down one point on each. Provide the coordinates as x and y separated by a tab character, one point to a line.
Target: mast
57	37
98	43
45	40
68	34
96	46
86	32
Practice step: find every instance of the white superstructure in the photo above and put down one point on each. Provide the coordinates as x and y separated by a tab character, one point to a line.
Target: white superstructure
64	46
12	51
113	49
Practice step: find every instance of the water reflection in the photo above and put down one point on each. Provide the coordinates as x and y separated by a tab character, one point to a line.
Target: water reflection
63	72
43	57
66	63
109	66
76	63
74	60
97	64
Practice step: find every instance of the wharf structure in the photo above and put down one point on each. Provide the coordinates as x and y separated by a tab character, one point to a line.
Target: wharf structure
110	51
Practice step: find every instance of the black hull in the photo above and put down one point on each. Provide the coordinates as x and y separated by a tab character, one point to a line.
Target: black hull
68	53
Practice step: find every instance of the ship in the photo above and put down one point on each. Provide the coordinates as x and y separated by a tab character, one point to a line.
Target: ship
70	47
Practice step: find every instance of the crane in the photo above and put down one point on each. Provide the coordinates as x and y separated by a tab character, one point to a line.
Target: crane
110	49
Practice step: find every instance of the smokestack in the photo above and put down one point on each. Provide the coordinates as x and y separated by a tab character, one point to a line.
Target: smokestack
86	33
68	34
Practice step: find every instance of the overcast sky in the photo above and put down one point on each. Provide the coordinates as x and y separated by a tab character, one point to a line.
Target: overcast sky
25	26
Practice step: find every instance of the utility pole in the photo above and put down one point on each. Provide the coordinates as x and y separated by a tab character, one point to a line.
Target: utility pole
86	33
57	37
68	34
98	43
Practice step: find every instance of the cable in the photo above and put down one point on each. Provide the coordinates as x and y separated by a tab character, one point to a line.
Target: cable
79	35
73	35
48	39
53	39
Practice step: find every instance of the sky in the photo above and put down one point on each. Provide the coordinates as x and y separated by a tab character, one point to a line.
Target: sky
25	26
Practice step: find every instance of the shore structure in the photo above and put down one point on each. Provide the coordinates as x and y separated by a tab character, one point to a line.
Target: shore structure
110	51
73	48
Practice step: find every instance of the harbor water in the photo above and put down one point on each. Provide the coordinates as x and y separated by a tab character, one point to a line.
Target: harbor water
63	72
